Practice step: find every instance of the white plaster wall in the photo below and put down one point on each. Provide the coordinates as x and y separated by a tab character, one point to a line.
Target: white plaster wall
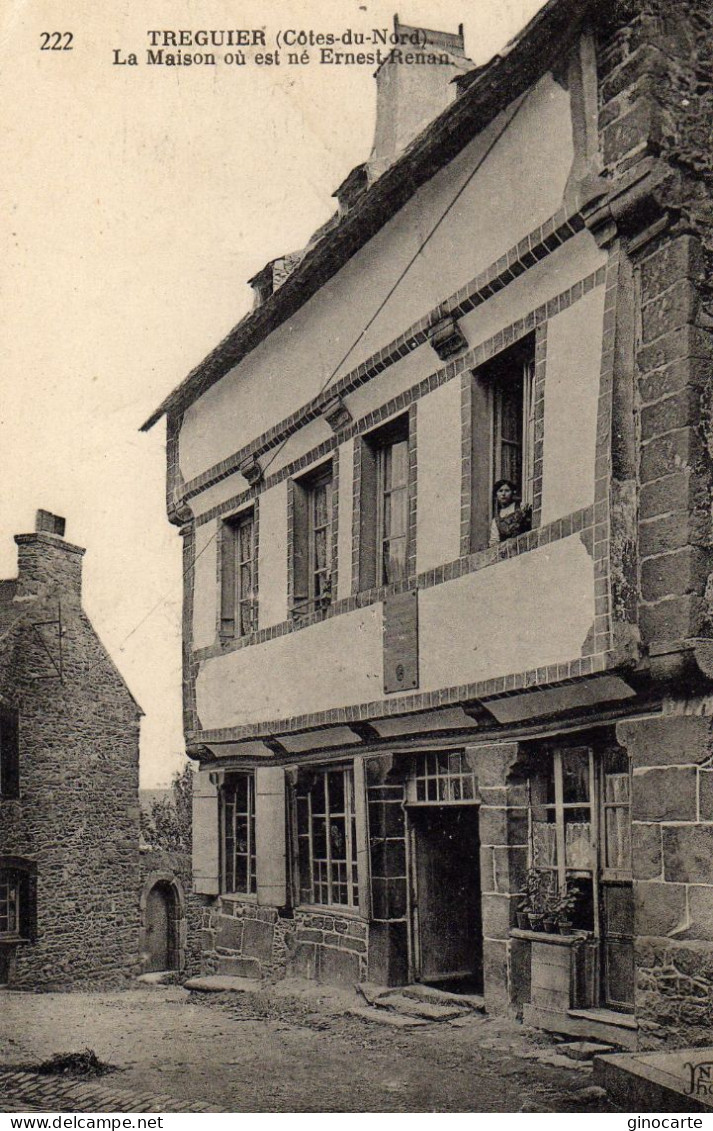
345	504
491	215
518	614
569	264
306	671
308	437
205	586
522	613
218	493
574	353
272	557
439	476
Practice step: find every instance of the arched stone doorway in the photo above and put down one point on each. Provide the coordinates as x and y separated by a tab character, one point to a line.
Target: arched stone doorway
163	924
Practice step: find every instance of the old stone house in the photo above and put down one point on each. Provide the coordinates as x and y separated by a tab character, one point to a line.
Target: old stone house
69	758
398	709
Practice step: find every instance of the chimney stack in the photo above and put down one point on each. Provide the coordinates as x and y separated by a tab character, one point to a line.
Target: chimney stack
46	562
411	94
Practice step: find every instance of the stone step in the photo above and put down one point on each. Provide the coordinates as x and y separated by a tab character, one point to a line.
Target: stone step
156	977
475	1002
584	1050
220	983
411	1007
386	1017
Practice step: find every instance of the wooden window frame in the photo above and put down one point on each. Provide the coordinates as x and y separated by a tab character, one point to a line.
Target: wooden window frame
233	601
21	875
517	365
307	595
229	815
319	886
374	532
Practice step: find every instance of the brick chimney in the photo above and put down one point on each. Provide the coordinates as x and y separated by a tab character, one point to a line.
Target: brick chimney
46	562
411	94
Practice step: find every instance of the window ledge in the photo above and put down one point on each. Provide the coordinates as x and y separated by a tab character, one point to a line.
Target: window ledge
239	897
339	911
543	936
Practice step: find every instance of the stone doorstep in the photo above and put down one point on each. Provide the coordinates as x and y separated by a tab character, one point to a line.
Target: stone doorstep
386	1017
584	1050
656	1081
412	1007
593	1025
421	1001
156	977
220	983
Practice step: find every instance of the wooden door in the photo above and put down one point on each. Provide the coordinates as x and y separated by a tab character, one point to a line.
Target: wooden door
158	928
448	933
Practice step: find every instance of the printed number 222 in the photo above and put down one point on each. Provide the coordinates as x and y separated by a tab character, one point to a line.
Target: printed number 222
56	37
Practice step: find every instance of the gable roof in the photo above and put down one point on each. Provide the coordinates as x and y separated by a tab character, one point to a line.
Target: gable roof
484	93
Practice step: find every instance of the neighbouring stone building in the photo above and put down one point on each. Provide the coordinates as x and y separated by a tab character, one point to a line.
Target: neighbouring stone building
69	763
403	716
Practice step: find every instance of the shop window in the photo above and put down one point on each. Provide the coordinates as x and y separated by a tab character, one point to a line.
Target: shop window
503	443
238	612
238	835
312	541
562	843
9	754
384	505
326	835
17	899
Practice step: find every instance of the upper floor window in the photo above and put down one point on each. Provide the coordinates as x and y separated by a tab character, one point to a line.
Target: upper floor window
313	500
326	835
238	856
384	521
9	754
238	612
503	463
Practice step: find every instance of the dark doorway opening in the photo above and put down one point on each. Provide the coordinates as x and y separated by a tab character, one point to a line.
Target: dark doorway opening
161	928
446	916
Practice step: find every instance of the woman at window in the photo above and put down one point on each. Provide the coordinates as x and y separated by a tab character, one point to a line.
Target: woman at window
511	517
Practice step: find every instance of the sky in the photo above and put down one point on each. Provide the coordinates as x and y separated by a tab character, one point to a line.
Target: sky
136	202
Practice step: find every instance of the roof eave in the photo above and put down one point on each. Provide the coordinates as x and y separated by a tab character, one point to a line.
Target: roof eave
493	87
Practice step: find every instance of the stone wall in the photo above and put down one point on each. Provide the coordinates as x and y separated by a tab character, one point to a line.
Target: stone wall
672	843
77	816
161	864
242	939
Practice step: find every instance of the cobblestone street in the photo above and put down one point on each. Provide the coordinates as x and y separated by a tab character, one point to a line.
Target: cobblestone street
289	1048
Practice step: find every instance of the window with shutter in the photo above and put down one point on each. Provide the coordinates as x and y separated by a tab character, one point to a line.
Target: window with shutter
238	589
312	547
384	519
503	444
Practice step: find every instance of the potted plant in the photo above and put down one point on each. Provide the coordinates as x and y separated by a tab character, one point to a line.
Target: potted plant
551	903
566	903
531	907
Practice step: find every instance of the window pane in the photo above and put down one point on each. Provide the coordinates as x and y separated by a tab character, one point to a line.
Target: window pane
618	838
544	844
575	776
321	515
394	560
336	792
319	838
338	838
396	465
578	839
616	788
396	513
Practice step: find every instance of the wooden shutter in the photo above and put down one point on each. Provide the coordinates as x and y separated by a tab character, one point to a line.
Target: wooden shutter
9	754
300	544
362	838
228	611
206	840
481	504
367	517
270	838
